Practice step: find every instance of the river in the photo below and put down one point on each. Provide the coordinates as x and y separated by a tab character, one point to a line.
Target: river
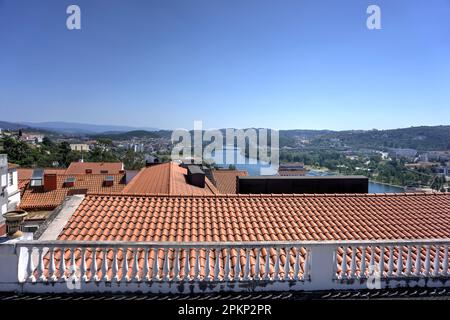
255	167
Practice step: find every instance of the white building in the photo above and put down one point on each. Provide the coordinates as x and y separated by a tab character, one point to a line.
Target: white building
79	147
9	190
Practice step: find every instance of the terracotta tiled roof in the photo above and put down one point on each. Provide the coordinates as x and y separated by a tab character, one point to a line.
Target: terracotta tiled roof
24	176
253	218
96	167
35	198
260	217
225	180
166	179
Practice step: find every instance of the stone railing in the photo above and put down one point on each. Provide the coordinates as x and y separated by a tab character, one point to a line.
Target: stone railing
61	266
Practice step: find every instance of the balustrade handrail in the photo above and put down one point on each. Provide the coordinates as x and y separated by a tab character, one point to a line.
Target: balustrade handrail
224	244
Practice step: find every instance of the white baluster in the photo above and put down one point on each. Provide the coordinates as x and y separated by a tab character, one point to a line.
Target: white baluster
427	260
400	261
381	262
237	267
247	264
176	266
105	265
73	264
227	275
83	269
445	263
362	271
166	273
417	266
207	268
155	268
344	263
41	267
257	275
127	266
197	264
391	261
408	261
267	266
372	259
52	267
297	263
124	265
187	265
136	265
217	264
30	264
115	266
94	265
276	275
436	260
287	263
62	267
353	263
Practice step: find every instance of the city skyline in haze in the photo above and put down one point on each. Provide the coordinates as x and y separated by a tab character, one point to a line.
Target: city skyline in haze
274	64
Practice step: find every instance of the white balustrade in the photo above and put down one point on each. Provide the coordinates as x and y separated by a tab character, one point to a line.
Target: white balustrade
271	262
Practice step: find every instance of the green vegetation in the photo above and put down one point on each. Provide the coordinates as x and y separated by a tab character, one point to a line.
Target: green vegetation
51	154
386	171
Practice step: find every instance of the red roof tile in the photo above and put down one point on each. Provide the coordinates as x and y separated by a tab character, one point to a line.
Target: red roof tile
166	179
255	218
261	217
35	198
226	180
96	167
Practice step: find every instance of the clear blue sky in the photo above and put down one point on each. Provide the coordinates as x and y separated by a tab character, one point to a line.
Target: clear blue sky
231	63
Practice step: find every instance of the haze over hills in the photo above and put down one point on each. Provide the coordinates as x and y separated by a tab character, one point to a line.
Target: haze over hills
74	127
421	138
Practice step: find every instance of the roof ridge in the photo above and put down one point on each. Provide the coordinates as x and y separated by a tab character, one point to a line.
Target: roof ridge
170	184
285	195
133	181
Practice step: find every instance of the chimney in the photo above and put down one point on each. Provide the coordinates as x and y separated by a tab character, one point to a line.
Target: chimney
50	183
196	176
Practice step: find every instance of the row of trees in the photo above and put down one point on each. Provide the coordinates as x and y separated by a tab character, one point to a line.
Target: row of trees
392	171
59	154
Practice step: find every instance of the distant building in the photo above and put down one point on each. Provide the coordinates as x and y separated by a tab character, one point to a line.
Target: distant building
79	147
32	138
292	169
397	153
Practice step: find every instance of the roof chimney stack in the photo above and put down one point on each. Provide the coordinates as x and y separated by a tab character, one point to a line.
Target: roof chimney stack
196	176
50	182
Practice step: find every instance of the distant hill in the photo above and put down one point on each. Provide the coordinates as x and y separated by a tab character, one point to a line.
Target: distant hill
84	128
424	138
133	134
12	126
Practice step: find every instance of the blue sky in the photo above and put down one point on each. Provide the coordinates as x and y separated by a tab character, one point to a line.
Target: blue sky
231	63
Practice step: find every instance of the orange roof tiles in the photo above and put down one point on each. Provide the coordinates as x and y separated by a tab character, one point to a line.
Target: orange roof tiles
166	179
226	180
35	198
253	218
96	167
260	217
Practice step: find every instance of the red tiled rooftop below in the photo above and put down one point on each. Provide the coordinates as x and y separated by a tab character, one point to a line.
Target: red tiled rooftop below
226	180
95	167
35	198
168	179
260	217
